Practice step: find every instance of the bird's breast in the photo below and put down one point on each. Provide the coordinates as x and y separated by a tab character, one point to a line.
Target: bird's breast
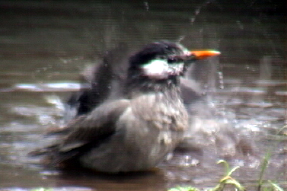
161	111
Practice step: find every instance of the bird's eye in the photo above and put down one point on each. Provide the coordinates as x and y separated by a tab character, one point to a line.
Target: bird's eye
171	60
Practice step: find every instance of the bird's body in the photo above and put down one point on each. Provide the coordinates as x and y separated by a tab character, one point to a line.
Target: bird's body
137	131
142	139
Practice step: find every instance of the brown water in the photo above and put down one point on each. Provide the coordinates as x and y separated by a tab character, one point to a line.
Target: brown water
44	45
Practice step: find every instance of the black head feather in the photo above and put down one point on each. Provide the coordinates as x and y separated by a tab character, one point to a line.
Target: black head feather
156	50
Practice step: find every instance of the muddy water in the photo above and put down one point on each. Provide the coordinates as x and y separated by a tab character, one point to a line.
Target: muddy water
44	45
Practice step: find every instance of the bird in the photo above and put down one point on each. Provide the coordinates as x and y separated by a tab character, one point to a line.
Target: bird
106	80
136	130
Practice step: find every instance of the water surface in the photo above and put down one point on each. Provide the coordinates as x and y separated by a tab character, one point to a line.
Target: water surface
45	45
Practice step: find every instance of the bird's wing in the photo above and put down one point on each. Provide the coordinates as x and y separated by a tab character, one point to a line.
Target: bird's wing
100	82
94	127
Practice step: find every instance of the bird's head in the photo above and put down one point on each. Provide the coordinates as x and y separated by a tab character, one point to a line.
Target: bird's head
163	60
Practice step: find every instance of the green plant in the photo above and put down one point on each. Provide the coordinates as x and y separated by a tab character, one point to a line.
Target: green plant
225	180
264	165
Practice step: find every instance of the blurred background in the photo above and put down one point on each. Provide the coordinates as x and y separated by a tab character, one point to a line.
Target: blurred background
44	45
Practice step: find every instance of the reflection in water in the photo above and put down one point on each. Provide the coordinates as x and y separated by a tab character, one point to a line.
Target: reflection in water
45	45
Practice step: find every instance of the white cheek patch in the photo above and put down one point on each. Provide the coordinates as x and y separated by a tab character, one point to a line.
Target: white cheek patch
156	69
176	69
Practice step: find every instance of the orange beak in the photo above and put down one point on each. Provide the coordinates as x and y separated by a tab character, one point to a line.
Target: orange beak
202	54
